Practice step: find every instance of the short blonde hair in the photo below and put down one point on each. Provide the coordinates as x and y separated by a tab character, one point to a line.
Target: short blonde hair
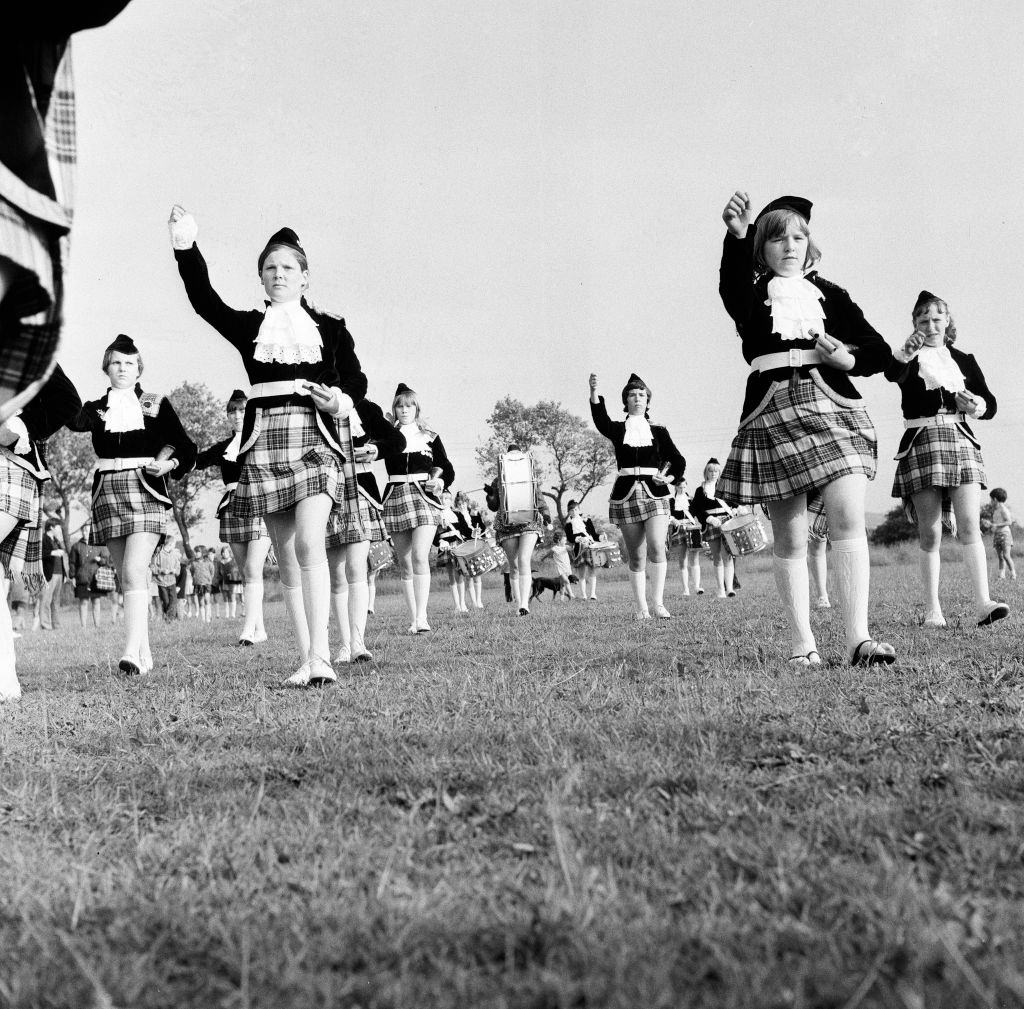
774	225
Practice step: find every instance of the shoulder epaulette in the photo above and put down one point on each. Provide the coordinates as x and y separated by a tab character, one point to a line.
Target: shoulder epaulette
150	403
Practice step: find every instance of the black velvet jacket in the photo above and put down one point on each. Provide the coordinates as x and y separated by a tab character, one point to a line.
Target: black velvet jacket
921	402
382	433
161	428
746	302
402	463
230	469
656	455
339	366
54	406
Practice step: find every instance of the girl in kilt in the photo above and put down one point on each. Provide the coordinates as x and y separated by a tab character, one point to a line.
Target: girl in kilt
640	502
518	539
805	443
711	511
939	460
305	375
580	533
246	536
139	442
22	474
357	523
468	517
417	475
682	521
453	529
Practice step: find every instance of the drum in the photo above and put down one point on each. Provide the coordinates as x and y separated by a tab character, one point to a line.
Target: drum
687	535
516	488
475	557
602	555
381	555
744	534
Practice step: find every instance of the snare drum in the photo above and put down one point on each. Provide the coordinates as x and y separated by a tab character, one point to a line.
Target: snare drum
744	534
474	557
516	489
381	555
688	535
602	555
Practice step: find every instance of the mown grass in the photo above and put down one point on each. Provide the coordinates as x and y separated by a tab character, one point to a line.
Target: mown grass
569	810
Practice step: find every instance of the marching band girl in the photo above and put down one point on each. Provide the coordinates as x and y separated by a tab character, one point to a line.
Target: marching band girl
580	533
939	459
139	442
417	475
711	511
305	374
805	440
689	556
247	537
648	462
518	539
358	523
454	528
22	474
468	514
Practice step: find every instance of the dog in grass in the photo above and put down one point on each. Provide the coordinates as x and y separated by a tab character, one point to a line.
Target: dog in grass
558	585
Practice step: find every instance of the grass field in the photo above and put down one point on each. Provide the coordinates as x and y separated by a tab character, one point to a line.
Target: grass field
569	810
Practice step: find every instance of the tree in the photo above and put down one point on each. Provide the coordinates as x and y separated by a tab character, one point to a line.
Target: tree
70	460
894	528
203	417
571	458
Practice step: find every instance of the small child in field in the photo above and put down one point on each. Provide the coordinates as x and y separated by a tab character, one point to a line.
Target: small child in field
202	580
1002	535
559	553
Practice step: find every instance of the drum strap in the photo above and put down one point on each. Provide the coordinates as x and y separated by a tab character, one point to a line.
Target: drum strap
796	358
936	421
116	465
637	470
408	478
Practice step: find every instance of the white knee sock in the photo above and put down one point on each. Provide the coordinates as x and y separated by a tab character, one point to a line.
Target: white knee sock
685	575
852	565
720	577
793	583
421	588
339	607
252	606
297	611
928	563
10	688
358	595
659	570
455	594
977	569
136	620
409	591
638	579
316	602
372	589
525	588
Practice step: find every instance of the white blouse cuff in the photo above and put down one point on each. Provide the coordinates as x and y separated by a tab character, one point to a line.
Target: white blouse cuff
345	403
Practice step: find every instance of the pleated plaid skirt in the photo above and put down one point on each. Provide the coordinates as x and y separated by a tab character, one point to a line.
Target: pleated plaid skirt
355	522
941	457
800	442
121	505
289	462
234	529
407	508
638	507
23	546
19	490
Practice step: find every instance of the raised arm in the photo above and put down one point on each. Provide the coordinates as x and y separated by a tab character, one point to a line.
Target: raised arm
736	274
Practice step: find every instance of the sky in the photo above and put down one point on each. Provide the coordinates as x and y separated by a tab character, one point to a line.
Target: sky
502	199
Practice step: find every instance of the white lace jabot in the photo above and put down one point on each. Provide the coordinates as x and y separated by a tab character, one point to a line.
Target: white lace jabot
288	335
231	452
638	432
796	308
938	369
124	412
415	439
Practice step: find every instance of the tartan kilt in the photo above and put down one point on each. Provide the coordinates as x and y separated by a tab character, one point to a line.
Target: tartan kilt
506	531
801	441
407	508
121	505
290	461
343	526
19	490
941	456
234	528
638	507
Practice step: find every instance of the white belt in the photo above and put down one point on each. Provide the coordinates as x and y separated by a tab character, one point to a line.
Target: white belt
936	421
293	387
128	462
638	471
796	358
409	478
364	467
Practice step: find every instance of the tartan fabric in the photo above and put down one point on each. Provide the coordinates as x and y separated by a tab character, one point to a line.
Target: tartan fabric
348	524
235	529
940	457
290	461
800	442
407	508
19	490
638	507
121	505
504	531
22	550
